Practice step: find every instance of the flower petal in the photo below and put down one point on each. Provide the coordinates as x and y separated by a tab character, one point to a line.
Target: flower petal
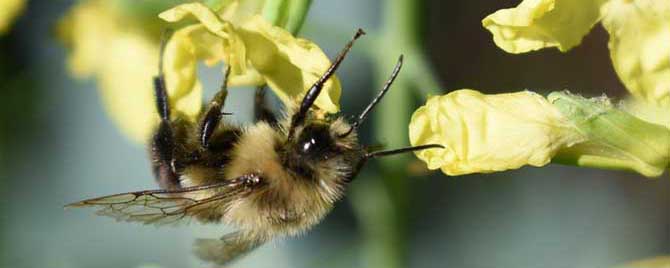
201	12
235	11
649	112
180	64
257	53
488	133
639	37
289	65
537	24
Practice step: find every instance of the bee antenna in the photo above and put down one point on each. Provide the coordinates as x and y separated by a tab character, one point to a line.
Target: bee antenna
313	92
380	95
402	150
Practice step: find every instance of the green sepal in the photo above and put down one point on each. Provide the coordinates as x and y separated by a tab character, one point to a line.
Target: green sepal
615	139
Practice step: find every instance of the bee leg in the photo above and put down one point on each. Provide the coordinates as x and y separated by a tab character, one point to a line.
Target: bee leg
163	140
227	249
261	110
213	113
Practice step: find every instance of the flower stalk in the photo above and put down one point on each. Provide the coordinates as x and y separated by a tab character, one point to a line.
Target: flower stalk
290	14
385	224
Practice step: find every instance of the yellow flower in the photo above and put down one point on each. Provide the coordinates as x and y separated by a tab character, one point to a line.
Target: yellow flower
110	47
9	9
639	33
257	53
488	133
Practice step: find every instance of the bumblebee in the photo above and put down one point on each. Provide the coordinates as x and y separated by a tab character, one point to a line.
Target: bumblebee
277	177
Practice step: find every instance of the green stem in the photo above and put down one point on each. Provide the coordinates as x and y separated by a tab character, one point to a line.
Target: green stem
289	14
382	203
298	9
400	20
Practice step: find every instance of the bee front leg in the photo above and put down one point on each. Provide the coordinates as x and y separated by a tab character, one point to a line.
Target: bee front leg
261	110
163	140
213	113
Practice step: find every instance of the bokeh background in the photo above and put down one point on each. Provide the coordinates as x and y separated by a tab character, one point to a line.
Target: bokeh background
57	145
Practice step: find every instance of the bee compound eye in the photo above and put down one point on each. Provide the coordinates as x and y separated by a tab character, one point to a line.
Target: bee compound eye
315	140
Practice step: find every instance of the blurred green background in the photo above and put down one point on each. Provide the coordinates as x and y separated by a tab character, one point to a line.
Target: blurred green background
57	146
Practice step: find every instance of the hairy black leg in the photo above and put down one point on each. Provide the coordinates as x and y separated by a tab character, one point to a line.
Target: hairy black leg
163	141
213	112
261	110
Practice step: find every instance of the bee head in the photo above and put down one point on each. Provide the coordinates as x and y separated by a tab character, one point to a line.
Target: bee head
314	144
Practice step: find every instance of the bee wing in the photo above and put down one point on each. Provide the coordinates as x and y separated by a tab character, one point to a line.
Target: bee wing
228	248
162	207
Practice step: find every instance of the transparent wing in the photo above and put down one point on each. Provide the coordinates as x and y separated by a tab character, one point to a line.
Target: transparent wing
162	207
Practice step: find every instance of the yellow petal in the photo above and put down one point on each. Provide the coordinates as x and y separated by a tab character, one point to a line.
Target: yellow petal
236	11
180	62
639	46
257	53
488	133
649	112
201	12
537	24
9	10
289	65
195	43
